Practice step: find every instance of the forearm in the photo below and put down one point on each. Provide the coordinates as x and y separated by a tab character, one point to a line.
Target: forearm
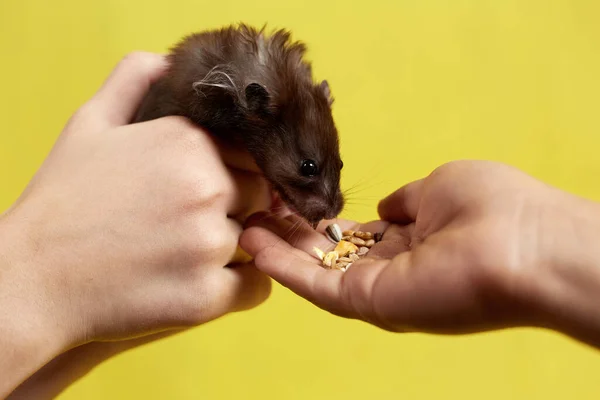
20	356
28	337
569	285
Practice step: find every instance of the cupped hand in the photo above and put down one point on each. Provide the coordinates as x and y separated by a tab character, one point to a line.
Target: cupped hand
461	252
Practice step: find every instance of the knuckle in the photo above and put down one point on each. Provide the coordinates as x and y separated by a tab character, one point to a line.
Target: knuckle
220	241
202	302
185	137
203	190
84	112
177	126
138	60
218	192
83	119
211	245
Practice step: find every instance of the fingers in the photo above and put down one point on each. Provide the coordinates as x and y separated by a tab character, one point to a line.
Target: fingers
296	270
251	194
347	294
121	94
233	289
244	287
288	261
221	291
253	243
402	206
292	229
278	206
296	231
238	192
237	158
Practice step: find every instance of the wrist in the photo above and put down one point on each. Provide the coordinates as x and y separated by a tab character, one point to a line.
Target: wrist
567	287
31	331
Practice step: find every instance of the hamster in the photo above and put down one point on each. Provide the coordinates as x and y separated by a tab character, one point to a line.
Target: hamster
255	90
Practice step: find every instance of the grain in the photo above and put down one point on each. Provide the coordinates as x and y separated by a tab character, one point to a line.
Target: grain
356	241
330	259
362	251
350	247
344	248
319	253
363	235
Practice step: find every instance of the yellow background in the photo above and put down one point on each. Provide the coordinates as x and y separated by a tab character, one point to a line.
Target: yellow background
417	83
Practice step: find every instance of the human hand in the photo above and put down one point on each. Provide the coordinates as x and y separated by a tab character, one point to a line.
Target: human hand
474	246
126	229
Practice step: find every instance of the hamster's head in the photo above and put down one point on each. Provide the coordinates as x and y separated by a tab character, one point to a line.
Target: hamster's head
295	142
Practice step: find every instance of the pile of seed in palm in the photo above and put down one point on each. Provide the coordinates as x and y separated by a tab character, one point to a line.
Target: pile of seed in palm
350	247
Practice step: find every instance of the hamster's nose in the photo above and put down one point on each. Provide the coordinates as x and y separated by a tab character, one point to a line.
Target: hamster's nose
336	205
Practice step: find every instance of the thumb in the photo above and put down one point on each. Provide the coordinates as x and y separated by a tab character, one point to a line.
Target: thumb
122	93
402	205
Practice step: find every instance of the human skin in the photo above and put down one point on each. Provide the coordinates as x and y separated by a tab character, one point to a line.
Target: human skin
474	246
126	230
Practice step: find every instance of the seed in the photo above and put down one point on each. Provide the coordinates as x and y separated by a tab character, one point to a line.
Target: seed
357	241
363	235
351	247
362	251
343	248
330	259
319	253
334	233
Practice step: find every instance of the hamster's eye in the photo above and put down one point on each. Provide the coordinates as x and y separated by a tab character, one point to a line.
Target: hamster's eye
309	168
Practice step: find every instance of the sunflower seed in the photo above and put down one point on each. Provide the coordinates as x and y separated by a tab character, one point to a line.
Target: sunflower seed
334	233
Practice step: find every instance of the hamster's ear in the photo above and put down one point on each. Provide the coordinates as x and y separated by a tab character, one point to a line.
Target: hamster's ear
257	97
324	86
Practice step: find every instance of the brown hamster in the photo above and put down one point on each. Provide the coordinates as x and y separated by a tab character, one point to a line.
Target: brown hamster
255	90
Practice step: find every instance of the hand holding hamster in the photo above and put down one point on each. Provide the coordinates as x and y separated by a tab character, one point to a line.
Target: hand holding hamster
126	230
255	91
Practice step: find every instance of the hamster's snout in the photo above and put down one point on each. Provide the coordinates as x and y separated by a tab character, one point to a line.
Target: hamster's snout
316	209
